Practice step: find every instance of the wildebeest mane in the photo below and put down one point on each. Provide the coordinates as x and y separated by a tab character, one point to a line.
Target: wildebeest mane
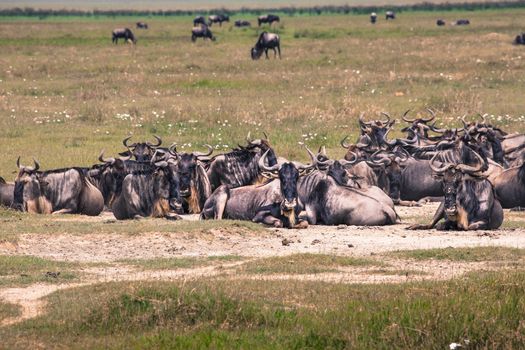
470	189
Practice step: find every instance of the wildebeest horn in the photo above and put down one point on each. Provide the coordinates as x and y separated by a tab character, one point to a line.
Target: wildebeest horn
203	154
361	121
248	138
472	169
173	149
364	145
105	160
387	116
316	157
125	142
390	143
302	167
354	160
432	116
434	129
344	144
266	136
322	151
263	166
406	119
385	160
37	165
483	118
440	169
18	162
465	124
159	142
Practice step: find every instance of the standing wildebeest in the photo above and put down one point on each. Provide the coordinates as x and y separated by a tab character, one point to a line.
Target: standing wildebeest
390	15
195	186
268	19
266	41
462	22
142	25
202	32
199	20
440	22
373	17
275	203
218	19
7	192
240	166
242	23
123	33
142	151
510	187
61	191
469	203
520	39
154	192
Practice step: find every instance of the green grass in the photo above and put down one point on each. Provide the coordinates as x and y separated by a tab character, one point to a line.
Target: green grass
304	264
180	263
485	308
8	310
476	254
18	270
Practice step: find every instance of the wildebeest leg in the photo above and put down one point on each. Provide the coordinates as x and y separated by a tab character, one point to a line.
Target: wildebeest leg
478	225
440	214
63	211
518	209
138	217
279	50
266	53
407	203
274	53
172	216
266	218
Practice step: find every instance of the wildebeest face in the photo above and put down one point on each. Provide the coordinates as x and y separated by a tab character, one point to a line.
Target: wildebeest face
143	151
28	187
168	186
451	180
393	173
338	172
256	53
288	175
187	166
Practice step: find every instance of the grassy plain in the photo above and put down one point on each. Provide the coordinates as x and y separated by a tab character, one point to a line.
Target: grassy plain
66	92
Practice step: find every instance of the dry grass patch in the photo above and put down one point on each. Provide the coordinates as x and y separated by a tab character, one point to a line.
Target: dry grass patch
180	263
474	254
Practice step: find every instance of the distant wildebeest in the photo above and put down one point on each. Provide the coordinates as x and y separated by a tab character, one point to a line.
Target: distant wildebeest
61	191
390	15
462	22
440	22
520	39
242	23
240	166
470	202
123	33
151	193
218	19
203	32
266	41
199	20
275	203
142	25
373	17
268	19
7	192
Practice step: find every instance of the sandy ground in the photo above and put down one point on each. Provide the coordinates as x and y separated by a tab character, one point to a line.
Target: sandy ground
340	240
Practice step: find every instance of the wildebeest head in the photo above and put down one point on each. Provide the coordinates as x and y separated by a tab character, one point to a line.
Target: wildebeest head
29	189
452	175
187	169
142	151
376	129
392	164
288	174
419	126
109	175
167	183
358	150
337	169
256	52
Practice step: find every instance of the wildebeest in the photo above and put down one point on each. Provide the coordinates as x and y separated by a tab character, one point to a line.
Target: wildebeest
203	32
266	41
141	151
218	19
373	17
123	33
519	39
240	166
268	19
7	192
462	22
142	25
373	132
275	203
151	193
199	20
510	187
469	203
242	23
328	199
60	191
390	15
440	22
195	186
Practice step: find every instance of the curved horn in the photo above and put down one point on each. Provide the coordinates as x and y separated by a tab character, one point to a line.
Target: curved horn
344	144
354	159
125	142
203	154
432	116
263	166
465	124
248	138
385	160
361	121
302	167
434	129
345	162
18	163
387	116
437	169
105	160
406	119
472	169
159	142
173	149
390	143
37	165
266	136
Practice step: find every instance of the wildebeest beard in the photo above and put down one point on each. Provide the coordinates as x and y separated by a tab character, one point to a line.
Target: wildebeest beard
288	176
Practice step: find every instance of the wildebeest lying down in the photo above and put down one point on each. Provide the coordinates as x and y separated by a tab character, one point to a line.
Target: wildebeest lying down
242	23
275	203
153	192
440	22
520	39
61	191
142	25
123	33
268	19
266	41
202	32
469	203
7	191
462	22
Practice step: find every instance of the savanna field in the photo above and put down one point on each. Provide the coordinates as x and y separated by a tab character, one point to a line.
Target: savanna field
66	93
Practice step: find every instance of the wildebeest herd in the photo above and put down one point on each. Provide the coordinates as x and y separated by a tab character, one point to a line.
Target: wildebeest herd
474	171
